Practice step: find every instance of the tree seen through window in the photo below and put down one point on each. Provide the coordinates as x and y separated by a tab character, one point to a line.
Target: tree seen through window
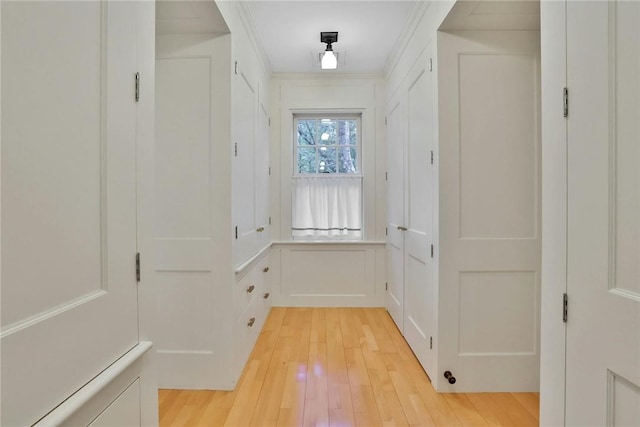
327	146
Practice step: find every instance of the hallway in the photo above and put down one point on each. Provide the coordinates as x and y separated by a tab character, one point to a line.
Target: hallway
339	367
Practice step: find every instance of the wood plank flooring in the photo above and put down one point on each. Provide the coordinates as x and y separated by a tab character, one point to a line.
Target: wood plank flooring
339	367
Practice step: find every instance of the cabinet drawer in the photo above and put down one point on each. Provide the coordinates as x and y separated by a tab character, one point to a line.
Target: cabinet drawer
265	269
247	329
246	290
124	411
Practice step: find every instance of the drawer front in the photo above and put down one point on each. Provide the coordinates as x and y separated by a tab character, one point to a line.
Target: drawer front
247	329
124	411
265	271
246	291
265	292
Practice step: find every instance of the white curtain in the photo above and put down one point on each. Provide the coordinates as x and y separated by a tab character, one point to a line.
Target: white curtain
327	207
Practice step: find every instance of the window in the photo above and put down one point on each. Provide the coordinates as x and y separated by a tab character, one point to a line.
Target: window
327	181
329	145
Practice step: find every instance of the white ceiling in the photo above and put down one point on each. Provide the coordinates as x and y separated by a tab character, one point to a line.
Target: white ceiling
289	32
189	17
493	15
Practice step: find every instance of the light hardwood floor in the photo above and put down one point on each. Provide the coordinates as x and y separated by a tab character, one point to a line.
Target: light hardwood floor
339	367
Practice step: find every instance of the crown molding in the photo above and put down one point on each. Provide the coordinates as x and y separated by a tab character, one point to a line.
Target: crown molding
418	11
250	27
327	76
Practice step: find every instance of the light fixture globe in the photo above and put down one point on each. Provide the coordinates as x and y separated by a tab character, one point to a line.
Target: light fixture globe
329	59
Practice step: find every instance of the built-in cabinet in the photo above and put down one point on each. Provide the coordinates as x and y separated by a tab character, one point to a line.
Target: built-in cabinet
77	138
212	197
463	232
250	180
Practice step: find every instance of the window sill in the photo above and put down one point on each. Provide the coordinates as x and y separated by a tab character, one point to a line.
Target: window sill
330	242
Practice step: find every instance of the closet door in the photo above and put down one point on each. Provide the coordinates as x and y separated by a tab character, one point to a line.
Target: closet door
262	177
419	304
395	214
489	203
244	131
69	294
192	199
603	270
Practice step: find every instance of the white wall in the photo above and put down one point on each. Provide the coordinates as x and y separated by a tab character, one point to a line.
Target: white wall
352	274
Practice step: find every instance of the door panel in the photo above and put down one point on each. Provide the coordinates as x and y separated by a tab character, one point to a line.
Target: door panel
69	295
490	194
262	202
395	215
192	197
243	168
419	306
603	329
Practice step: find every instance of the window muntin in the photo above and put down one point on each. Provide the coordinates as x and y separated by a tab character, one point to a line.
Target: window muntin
327	145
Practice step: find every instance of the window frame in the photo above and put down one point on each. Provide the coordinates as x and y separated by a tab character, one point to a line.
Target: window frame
333	116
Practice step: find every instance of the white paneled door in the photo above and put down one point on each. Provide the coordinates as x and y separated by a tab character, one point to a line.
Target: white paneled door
244	172
69	292
192	207
419	303
262	177
410	188
489	290
603	271
395	214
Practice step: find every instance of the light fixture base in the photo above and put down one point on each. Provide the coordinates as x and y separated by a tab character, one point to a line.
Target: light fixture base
329	37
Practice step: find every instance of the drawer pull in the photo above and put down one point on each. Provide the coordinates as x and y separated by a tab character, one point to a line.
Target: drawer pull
251	321
266	295
260	229
265	270
250	289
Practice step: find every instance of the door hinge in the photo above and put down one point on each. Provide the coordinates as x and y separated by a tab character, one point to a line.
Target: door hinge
138	267
385	121
235	67
431	156
269	220
386	286
236	233
386	231
430	343
565	308
430	64
269	170
431	251
269	121
565	101
137	87
386	176
235	149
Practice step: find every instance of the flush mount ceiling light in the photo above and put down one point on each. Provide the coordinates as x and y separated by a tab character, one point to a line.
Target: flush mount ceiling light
329	59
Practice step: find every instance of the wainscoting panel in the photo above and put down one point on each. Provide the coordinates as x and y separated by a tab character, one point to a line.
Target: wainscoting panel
328	274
